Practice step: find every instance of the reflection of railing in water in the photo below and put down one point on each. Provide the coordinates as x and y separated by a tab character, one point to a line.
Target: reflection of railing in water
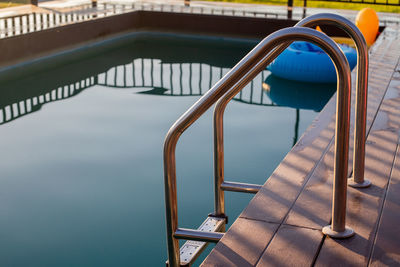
17	110
149	73
178	79
157	78
133	75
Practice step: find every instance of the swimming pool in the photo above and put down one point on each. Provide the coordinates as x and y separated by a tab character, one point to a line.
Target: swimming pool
82	138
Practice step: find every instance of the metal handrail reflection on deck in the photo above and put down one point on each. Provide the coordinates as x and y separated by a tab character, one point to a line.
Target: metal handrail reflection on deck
238	77
359	136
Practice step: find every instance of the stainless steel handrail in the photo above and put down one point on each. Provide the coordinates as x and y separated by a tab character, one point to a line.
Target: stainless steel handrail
361	89
238	77
361	104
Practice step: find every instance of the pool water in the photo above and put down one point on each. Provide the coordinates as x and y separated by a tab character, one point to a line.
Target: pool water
81	146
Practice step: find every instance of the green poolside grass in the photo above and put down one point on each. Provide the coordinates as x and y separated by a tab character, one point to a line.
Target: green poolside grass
323	4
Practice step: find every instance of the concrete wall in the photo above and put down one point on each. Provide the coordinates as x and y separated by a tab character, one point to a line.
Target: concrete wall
33	45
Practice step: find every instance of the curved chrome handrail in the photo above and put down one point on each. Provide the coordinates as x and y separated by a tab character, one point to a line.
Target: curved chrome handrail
361	106
361	89
254	62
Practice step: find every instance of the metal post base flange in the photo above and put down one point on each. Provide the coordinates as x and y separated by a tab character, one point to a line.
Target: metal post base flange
348	232
364	184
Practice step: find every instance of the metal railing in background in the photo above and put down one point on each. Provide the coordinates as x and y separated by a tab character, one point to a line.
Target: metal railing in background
55	17
237	78
26	23
208	10
32	22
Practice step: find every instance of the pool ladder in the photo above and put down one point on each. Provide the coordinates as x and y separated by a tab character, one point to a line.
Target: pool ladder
211	230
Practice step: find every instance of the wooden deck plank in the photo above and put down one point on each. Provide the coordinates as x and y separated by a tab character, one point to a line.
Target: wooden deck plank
386	251
284	185
298	194
275	199
364	205
292	246
313	207
243	244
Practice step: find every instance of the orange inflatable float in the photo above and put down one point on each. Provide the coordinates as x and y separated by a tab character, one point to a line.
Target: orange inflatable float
368	23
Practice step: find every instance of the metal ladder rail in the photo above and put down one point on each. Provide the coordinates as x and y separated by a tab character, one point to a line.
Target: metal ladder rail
220	185
239	76
352	30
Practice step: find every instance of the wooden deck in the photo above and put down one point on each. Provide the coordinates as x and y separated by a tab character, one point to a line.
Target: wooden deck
282	224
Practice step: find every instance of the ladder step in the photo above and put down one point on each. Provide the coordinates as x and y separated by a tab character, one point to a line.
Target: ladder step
240	187
192	249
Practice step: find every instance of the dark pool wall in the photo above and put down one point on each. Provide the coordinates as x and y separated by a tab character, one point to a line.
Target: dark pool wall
86	63
37	44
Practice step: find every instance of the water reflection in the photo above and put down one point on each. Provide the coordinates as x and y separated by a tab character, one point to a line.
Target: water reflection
178	79
83	162
148	76
298	95
177	70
